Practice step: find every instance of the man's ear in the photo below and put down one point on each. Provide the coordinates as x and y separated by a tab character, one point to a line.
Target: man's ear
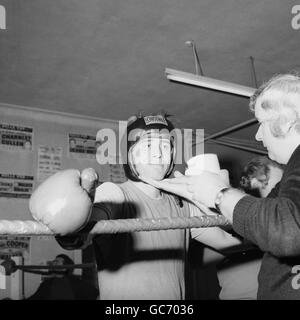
286	127
287	122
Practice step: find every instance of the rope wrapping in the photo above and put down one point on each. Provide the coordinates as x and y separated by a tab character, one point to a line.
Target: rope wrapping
28	227
134	225
20	227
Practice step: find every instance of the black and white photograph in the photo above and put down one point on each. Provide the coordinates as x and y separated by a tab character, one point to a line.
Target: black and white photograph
150	153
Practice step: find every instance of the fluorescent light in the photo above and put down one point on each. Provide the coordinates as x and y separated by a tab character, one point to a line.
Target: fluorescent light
209	83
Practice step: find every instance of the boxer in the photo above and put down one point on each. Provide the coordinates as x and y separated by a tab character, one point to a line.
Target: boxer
140	265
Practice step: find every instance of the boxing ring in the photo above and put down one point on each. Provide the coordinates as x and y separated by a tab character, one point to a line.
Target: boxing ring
34	228
31	227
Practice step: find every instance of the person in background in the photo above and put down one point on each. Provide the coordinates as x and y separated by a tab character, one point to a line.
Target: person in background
72	145
238	272
62	284
260	176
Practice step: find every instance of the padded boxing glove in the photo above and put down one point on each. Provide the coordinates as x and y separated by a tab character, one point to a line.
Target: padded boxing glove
63	201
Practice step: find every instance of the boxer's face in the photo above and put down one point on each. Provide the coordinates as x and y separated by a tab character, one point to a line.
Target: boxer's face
152	157
58	261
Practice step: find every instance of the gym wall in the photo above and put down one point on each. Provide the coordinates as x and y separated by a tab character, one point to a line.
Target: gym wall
50	131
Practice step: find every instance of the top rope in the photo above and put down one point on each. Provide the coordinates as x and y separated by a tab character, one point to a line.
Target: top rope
18	227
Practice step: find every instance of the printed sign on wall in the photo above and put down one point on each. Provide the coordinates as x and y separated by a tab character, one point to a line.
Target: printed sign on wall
49	161
82	146
14	245
16	186
15	137
117	174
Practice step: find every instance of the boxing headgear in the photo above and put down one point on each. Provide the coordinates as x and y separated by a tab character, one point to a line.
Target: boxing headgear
148	126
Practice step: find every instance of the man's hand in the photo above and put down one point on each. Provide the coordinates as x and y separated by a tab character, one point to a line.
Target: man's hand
202	188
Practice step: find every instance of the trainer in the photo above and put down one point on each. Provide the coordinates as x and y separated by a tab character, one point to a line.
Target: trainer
272	223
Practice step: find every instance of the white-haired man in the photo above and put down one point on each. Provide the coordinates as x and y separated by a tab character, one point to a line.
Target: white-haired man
272	223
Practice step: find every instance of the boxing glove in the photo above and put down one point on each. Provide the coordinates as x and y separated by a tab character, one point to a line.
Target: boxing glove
63	201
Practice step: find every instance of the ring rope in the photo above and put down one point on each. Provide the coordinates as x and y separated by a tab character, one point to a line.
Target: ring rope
30	227
10	267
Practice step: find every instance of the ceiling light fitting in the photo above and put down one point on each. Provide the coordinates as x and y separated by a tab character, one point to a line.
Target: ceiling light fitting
208	83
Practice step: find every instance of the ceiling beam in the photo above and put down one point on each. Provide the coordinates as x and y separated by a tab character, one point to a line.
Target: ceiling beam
238	126
240	147
208	83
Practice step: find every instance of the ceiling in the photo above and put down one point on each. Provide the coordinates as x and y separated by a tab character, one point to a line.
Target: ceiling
107	58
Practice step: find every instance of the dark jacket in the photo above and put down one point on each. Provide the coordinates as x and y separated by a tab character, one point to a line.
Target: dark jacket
66	288
273	224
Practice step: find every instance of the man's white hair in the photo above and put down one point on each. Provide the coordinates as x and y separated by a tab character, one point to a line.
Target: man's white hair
280	98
